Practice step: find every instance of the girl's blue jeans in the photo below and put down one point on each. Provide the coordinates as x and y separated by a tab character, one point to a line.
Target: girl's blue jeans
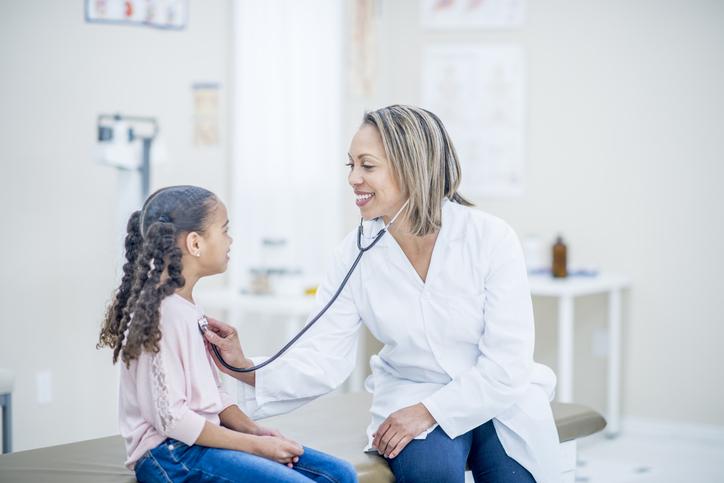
440	459
173	461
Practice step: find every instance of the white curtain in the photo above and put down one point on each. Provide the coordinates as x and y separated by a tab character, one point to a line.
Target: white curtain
288	158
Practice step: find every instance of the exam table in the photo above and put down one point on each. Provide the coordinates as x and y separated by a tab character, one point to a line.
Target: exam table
335	423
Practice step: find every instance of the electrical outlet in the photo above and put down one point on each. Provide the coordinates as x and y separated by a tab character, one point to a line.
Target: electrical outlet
600	342
44	383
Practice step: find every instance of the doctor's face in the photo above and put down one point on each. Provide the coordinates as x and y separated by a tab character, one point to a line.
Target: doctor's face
377	192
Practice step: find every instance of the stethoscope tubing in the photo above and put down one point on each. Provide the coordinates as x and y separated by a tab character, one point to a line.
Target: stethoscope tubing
362	251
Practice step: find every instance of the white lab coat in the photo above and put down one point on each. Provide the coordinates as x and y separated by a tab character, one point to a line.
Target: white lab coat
461	342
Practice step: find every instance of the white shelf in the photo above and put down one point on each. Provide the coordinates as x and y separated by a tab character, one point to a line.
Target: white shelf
566	290
547	286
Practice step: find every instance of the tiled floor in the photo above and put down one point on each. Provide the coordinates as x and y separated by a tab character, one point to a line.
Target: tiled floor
648	459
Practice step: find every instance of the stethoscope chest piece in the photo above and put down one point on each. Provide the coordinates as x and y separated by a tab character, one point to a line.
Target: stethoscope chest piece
203	324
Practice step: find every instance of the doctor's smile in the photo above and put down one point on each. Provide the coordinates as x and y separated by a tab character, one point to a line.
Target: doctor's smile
362	198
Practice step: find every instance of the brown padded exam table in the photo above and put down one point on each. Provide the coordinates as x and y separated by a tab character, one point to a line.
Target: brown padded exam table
335	424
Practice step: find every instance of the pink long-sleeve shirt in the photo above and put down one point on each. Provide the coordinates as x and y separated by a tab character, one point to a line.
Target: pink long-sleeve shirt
172	393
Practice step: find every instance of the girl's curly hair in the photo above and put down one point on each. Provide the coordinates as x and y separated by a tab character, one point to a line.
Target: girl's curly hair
152	270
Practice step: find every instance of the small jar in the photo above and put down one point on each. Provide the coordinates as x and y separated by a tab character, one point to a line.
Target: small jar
559	269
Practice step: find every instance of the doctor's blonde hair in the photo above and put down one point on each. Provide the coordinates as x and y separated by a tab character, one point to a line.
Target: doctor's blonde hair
423	161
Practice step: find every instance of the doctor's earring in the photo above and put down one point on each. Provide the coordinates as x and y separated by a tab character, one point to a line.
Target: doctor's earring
198	254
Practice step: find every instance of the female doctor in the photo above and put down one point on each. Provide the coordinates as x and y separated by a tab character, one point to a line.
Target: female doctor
446	292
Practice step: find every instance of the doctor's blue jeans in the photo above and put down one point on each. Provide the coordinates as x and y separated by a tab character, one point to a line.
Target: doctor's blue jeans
173	461
440	459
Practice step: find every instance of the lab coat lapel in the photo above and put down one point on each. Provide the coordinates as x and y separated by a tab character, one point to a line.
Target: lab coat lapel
394	257
445	247
439	253
441	248
398	258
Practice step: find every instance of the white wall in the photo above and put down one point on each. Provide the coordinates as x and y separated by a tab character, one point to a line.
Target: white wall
625	118
624	149
59	244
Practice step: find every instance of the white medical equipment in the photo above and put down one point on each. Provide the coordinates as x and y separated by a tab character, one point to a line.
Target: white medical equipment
117	145
127	144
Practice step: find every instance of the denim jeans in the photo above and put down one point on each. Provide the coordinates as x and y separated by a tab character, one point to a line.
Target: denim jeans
173	461
440	459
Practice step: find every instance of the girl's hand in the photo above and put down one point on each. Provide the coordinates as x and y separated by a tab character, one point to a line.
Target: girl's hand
278	449
400	428
225	338
263	431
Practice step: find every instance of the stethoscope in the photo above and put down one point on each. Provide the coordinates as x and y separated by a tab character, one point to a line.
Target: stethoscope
203	323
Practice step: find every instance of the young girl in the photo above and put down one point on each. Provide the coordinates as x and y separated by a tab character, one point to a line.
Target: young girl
178	422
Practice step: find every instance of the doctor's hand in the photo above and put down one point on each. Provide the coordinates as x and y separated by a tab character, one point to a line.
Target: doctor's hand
400	428
225	338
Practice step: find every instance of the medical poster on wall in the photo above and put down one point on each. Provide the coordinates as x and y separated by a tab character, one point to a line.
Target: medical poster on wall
472	14
206	113
163	14
478	92
363	49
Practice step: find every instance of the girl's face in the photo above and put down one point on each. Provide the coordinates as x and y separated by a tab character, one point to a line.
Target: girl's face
377	192
213	246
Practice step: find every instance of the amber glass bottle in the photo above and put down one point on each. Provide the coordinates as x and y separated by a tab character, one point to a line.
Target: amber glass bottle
559	258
